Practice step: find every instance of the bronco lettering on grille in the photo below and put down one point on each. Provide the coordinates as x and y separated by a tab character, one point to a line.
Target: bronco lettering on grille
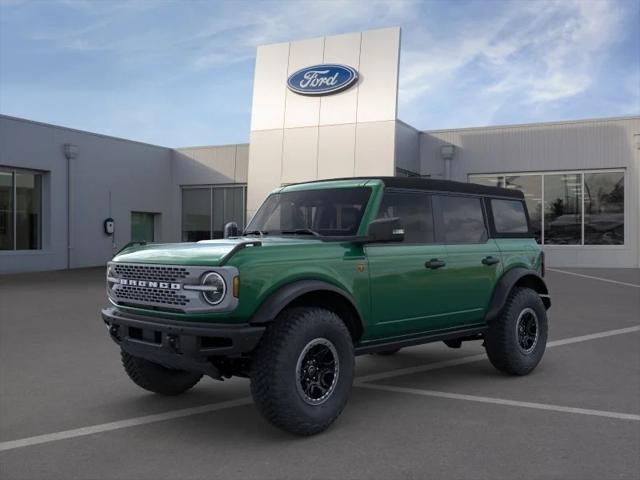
147	284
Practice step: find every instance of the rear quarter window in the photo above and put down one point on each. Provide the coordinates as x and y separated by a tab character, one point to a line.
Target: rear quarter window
509	216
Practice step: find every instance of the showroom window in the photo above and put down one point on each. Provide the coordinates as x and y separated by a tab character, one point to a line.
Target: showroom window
20	210
206	210
569	208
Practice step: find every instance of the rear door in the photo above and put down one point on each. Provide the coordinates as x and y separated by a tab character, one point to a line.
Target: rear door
472	258
406	293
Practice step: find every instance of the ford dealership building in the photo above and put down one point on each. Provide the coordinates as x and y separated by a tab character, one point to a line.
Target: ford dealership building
322	108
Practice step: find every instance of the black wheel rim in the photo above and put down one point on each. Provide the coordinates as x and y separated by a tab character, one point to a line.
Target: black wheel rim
527	330
317	371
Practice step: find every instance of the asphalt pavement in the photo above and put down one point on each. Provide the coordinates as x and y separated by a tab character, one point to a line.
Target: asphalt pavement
67	409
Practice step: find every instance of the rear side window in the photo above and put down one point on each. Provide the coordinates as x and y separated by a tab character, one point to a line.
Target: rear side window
509	216
462	219
414	211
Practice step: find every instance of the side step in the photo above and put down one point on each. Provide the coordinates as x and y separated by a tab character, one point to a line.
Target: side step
475	333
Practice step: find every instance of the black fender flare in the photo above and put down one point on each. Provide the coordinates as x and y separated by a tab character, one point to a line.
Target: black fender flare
516	276
278	300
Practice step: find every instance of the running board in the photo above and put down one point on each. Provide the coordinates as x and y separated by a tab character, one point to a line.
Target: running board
475	333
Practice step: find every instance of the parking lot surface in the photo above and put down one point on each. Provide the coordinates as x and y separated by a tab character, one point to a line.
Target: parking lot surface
67	409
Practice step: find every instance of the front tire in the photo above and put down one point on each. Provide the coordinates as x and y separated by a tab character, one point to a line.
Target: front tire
156	378
302	370
517	339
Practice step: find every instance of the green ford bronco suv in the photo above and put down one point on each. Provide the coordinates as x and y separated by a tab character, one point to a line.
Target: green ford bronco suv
326	271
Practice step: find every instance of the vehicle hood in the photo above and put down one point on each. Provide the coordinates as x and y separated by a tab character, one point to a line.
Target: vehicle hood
206	252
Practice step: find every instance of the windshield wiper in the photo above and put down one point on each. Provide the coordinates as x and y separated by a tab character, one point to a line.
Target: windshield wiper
301	231
254	232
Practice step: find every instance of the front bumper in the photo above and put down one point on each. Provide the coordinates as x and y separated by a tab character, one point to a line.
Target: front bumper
180	345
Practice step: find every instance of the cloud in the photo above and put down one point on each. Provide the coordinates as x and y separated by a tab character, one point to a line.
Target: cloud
463	63
529	53
234	33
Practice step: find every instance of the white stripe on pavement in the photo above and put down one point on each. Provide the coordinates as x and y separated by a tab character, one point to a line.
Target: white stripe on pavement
475	358
503	401
593	336
132	422
594	278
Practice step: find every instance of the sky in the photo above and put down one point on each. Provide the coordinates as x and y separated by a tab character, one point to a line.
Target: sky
180	73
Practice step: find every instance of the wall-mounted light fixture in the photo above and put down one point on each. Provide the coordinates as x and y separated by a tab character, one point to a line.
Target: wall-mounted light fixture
447	152
70	151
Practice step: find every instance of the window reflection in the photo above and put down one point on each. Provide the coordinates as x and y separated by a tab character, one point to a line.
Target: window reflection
489	180
562	209
20	210
196	214
531	186
604	208
206	210
563	197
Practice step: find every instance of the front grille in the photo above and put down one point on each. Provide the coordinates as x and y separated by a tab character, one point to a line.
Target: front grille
151	272
131	294
165	287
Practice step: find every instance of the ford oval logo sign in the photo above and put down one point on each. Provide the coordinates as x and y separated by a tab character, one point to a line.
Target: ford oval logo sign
322	79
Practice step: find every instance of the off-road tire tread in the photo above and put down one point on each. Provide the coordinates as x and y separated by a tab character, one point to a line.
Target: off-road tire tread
156	378
267	391
502	350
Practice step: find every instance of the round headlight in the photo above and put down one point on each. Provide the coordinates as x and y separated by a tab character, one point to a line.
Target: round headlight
216	288
110	274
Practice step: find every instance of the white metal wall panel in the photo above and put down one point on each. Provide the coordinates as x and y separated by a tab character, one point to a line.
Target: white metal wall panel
270	86
265	166
301	110
378	84
336	151
366	113
299	154
375	148
341	107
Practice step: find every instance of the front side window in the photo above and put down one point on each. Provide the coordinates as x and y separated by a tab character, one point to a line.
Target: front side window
509	216
414	211
462	219
325	212
20	210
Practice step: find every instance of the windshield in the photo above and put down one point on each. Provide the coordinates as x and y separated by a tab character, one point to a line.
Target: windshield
328	212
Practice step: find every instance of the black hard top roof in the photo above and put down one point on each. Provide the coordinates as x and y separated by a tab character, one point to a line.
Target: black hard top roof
417	183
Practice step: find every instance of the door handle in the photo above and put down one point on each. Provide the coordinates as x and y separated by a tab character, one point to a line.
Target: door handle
434	263
490	260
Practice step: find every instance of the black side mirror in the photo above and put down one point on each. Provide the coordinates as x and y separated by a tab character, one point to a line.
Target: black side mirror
385	230
231	230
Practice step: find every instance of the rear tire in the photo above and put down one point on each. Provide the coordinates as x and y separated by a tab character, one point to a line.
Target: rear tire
156	378
517	339
302	370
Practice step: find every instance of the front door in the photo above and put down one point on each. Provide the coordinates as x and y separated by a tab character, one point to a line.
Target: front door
406	286
473	260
